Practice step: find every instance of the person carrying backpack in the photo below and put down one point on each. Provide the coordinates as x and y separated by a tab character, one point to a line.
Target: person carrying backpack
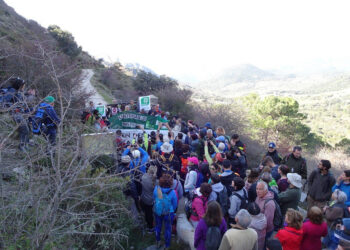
164	208
13	93
210	229
199	204
192	175
238	199
46	120
219	194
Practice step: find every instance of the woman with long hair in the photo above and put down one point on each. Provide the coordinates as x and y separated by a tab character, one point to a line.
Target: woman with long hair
212	218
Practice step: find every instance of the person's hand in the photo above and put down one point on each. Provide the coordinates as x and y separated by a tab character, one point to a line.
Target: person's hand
233	184
238	154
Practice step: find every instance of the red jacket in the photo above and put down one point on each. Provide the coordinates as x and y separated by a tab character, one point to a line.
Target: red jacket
290	238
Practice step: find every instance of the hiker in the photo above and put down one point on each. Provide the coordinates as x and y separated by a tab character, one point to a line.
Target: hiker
210	228
238	199
291	197
191	177
313	229
148	182
252	178
258	223
199	204
91	107
333	214
18	115
167	161
139	157
267	178
269	162
164	208
272	152
343	184
283	183
343	235
238	161
13	93
235	141
240	236
219	194
320	185
291	235
46	120
296	163
267	206
227	176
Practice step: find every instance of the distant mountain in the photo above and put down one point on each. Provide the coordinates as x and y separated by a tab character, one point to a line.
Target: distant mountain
134	68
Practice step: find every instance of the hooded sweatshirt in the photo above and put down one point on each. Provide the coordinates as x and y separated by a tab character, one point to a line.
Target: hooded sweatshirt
259	224
267	209
235	202
216	188
199	205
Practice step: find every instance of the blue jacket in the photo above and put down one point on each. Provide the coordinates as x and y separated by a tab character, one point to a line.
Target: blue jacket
345	188
52	118
171	195
136	162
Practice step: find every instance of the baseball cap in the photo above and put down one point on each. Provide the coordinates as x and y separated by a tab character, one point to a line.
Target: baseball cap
272	145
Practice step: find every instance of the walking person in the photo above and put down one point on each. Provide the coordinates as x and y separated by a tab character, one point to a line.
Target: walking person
165	206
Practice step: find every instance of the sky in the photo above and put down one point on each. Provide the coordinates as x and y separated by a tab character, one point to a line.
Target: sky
193	40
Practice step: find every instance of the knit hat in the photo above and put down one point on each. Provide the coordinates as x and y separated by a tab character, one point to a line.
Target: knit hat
49	99
194	160
295	180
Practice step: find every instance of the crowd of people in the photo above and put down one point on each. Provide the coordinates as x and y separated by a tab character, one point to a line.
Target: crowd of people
230	205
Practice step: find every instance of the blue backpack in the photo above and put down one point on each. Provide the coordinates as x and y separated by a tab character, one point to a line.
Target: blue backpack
200	179
163	204
38	119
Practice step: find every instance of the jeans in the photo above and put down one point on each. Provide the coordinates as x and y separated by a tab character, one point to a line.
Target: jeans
168	221
148	210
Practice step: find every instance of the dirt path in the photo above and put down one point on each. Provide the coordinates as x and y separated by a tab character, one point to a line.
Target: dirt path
96	97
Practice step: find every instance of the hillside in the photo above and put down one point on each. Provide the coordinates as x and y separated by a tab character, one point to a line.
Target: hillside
323	97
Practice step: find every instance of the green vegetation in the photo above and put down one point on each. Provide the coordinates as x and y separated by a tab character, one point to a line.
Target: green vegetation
65	41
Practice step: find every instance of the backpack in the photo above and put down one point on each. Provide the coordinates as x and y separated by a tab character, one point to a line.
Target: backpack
199	179
163	204
188	205
184	164
244	199
38	120
277	217
222	199
213	238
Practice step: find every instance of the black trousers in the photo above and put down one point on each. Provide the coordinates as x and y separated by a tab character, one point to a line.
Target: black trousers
148	209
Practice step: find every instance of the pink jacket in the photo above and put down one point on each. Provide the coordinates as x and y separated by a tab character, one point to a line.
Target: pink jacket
268	209
199	205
